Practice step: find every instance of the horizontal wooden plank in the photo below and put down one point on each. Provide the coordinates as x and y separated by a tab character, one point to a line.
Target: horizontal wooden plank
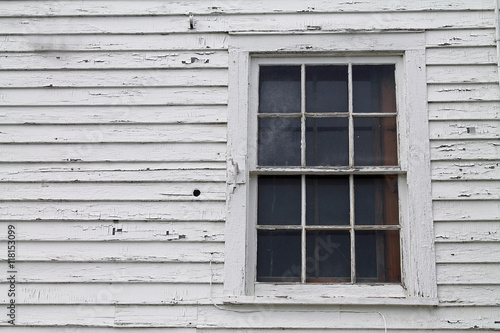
113	60
467	273
170	42
460	38
464	130
113	172
108	272
114	78
122	211
465	111
119	152
466	295
119	231
157	7
90	329
466	210
111	293
473	231
485	252
461	56
478	150
161	251
463	92
152	191
462	74
129	114
248	22
114	96
462	190
465	170
112	133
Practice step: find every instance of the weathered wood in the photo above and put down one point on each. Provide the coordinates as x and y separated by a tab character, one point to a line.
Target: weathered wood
249	22
144	114
457	38
462	74
116	152
478	150
460	130
466	210
90	329
41	43
462	190
160	252
113	60
113	172
463	92
466	170
35	272
156	7
472	253
473	231
152	191
111	293
112	133
475	295
118	231
78	211
114	96
461	56
114	78
468	273
462	111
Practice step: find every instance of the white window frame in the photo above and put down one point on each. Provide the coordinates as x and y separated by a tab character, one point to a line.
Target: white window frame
407	51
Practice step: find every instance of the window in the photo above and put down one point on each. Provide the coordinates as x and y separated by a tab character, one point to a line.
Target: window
328	170
327	173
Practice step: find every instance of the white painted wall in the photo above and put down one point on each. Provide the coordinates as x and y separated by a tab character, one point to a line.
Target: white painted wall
113	112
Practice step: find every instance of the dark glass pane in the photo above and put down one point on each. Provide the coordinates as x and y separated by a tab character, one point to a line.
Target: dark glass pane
376	200
279	89
278	256
279	141
375	141
374	88
378	256
327	200
279	200
327	141
328	256
326	89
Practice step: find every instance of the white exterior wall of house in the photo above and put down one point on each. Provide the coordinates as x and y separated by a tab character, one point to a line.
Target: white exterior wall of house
113	112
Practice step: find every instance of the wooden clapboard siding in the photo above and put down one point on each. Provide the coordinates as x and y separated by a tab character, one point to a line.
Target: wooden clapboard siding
113	112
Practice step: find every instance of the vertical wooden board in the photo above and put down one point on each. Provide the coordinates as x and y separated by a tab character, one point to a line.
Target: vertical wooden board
120	59
118	231
111	293
447	170
471	231
466	210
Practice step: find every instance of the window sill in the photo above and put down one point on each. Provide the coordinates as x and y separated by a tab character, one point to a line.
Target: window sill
333	300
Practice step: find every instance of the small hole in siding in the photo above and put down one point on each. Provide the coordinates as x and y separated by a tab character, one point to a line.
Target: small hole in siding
196	193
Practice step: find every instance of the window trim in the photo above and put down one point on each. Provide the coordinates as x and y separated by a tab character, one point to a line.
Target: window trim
418	271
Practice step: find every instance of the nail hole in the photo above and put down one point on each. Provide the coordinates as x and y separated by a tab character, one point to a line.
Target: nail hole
196	193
